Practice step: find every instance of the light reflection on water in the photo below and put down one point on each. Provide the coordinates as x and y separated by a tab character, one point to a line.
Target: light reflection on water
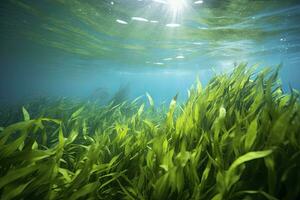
53	37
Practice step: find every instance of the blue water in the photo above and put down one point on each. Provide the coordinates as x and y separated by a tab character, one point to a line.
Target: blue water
79	48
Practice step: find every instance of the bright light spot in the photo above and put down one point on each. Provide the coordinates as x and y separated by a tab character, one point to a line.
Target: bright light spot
198	2
139	19
158	63
201	27
168	59
112	3
174	8
172	25
176	5
160	1
121	21
197	43
179	57
154	21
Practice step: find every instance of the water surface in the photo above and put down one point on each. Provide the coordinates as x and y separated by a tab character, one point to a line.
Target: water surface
74	48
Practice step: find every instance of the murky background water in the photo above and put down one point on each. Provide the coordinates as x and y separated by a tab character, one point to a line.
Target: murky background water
90	48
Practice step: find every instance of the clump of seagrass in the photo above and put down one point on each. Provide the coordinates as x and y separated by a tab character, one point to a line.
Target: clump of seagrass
237	138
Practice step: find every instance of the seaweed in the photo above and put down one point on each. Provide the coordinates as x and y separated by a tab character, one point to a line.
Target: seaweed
236	138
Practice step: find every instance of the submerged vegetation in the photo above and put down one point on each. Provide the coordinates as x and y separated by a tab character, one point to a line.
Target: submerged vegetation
236	138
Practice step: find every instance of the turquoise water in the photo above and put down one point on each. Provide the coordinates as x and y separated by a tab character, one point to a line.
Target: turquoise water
89	48
94	99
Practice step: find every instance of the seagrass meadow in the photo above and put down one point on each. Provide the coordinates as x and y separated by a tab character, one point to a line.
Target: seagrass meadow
149	100
238	137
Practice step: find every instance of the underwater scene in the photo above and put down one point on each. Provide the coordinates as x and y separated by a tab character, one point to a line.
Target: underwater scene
150	99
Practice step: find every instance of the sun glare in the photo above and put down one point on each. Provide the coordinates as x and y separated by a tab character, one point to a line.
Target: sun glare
176	5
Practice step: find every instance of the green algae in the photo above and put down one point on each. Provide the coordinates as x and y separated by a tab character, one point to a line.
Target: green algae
236	138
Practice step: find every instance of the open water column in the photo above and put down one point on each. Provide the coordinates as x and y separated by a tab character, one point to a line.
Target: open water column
149	99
